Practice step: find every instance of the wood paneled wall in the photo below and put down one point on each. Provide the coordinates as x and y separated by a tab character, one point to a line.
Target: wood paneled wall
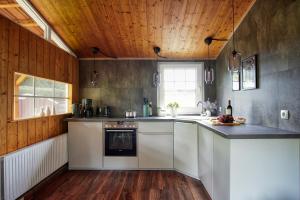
22	51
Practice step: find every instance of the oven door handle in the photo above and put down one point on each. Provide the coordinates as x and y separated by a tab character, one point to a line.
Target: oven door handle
119	130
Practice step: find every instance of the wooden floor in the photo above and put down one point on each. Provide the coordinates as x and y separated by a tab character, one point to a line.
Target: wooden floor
122	185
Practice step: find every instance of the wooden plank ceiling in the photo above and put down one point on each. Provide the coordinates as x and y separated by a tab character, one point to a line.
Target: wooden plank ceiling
130	28
11	10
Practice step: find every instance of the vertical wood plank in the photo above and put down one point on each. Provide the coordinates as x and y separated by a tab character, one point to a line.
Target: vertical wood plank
52	62
46	59
31	132
24	49
32	54
75	82
22	134
3	83
70	69
58	65
66	67
51	126
45	128
39	129
13	65
12	136
14	36
40	57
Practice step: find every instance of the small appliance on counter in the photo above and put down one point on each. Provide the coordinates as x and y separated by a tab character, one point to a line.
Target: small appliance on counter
76	110
107	111
87	108
130	114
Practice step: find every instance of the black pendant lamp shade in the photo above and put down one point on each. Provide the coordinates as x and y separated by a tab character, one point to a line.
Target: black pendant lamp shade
235	58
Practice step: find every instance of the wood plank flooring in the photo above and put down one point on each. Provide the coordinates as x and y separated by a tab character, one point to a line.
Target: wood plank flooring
127	185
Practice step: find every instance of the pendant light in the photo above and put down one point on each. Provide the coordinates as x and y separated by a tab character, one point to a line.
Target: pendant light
156	75
235	58
209	75
94	74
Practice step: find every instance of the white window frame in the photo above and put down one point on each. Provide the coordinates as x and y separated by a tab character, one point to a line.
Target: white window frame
199	85
49	33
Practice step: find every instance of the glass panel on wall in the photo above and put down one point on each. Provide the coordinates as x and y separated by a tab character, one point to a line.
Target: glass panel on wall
23	85
42	104
44	87
61	106
34	96
24	107
60	89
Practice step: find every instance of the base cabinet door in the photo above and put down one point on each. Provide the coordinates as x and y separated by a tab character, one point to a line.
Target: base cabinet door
221	168
205	142
85	145
186	148
155	151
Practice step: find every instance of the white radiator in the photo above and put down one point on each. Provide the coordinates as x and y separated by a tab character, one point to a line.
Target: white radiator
22	170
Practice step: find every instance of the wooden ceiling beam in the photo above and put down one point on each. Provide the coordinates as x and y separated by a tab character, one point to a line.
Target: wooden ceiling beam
9	5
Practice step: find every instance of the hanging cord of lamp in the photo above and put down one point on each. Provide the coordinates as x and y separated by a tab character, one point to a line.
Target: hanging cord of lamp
235	57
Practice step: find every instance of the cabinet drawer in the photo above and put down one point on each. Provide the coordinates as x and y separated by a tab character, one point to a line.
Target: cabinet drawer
155	127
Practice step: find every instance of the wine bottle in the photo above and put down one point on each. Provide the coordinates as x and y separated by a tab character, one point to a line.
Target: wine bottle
229	108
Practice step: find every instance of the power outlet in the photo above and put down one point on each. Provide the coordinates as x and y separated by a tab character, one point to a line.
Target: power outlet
284	114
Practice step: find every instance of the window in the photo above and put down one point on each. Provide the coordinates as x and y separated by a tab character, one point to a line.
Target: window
181	83
33	94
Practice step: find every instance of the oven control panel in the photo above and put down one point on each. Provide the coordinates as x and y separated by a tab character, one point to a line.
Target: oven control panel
120	124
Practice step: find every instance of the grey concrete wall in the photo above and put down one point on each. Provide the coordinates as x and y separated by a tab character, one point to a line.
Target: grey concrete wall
122	84
271	30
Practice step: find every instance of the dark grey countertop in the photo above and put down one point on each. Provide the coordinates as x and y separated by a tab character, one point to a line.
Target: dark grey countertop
245	131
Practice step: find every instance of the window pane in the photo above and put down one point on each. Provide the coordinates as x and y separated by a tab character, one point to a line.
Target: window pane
61	106
44	87
179	75
61	89
179	85
168	75
24	85
24	107
190	85
43	103
169	85
190	75
184	98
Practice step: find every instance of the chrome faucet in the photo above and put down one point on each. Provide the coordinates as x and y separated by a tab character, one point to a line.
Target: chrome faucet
200	102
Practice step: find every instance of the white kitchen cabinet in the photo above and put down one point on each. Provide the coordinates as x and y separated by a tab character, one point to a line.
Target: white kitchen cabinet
186	148
206	139
155	151
85	145
221	168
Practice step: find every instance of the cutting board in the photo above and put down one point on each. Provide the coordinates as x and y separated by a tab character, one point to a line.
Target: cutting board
217	123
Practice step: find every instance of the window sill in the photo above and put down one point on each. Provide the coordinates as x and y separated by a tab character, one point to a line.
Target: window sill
32	118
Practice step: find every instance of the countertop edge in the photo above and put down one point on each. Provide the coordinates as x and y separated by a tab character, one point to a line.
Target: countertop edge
288	135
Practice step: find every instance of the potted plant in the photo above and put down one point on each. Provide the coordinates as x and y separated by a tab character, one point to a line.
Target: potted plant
173	108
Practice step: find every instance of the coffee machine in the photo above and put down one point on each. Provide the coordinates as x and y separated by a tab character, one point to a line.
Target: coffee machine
87	105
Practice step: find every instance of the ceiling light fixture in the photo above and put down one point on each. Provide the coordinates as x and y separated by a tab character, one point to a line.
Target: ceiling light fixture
94	73
235	57
156	50
209	75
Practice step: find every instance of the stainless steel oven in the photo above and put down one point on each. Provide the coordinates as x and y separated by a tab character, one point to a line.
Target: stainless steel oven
120	139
